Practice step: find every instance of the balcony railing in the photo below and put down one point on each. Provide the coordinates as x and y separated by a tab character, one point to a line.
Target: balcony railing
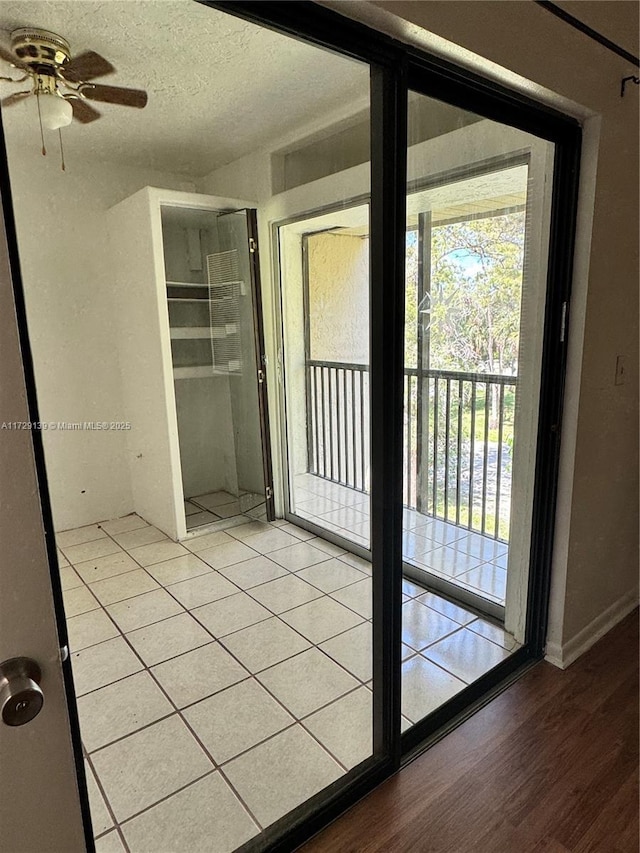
458	436
338	422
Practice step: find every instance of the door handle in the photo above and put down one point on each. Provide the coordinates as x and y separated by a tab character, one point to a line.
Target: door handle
20	695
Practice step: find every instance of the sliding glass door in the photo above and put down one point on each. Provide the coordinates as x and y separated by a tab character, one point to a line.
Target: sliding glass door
416	238
478	205
475	249
476	239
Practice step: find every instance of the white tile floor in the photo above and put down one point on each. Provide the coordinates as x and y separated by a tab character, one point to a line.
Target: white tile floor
466	559
216	506
223	682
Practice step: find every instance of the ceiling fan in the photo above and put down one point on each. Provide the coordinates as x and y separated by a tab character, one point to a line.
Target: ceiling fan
62	84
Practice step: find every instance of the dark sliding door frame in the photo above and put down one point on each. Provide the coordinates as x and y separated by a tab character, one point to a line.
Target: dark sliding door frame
395	69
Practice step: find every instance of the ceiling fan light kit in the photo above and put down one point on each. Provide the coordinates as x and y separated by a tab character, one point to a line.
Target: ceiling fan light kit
62	83
55	112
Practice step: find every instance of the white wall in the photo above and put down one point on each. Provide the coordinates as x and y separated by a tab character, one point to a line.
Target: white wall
66	269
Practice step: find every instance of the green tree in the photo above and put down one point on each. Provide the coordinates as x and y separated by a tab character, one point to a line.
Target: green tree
476	286
411	300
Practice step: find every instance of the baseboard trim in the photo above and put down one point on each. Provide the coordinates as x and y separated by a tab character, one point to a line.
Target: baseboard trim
563	655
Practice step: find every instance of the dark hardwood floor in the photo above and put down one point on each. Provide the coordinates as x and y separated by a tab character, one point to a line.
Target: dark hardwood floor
549	766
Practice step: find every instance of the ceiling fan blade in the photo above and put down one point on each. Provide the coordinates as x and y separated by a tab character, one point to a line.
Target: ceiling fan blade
11	58
10	100
86	66
83	112
116	95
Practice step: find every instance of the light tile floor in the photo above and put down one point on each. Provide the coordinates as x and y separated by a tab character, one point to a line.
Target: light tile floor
216	506
222	682
464	558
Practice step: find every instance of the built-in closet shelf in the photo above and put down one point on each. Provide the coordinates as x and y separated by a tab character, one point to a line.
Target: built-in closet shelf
218	300
217	333
189	333
187	284
201	371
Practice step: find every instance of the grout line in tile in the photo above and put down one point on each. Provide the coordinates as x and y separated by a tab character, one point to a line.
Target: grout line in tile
333	701
124	637
221	636
116	681
167	797
341	764
241	800
191	705
348	607
103	793
99	536
106	832
92	646
179	713
435	663
306	639
148	624
123	840
129	554
297	721
133	731
294	722
339	588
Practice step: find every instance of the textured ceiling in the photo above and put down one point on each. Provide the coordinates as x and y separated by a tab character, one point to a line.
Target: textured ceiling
218	87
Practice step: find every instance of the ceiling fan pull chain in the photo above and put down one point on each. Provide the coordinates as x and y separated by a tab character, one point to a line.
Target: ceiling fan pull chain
61	150
44	150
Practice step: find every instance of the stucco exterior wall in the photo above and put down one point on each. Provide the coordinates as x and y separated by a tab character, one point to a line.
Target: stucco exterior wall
339	297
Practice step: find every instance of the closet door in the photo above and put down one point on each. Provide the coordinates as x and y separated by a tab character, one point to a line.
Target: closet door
238	233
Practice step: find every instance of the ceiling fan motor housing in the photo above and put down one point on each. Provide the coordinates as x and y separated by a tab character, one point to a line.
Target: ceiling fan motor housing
40	48
46	59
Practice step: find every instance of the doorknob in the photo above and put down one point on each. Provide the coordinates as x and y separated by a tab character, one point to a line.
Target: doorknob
20	695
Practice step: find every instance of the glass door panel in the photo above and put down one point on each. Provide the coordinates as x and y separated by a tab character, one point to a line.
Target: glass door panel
477	226
322	244
210	295
325	298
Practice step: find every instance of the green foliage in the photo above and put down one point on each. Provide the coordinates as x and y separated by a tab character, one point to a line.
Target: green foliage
411	301
476	285
473	326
